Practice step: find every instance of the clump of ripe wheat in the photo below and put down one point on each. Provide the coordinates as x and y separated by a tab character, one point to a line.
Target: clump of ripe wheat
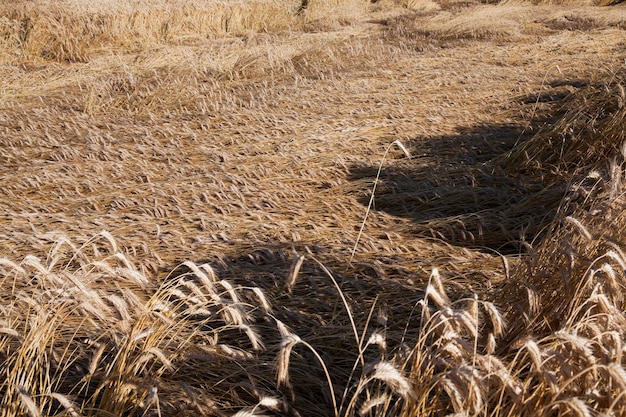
74	31
475	355
567	352
377	370
91	330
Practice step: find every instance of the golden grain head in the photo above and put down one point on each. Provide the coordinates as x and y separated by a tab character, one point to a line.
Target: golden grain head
389	373
282	370
577	406
29	403
377	339
372	403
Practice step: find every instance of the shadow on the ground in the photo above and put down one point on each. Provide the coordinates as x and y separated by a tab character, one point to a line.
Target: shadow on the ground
460	188
327	296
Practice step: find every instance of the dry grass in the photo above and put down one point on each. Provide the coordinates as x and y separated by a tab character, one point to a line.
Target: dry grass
269	250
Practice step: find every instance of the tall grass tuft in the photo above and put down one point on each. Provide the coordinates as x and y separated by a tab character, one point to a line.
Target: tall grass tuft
549	341
87	333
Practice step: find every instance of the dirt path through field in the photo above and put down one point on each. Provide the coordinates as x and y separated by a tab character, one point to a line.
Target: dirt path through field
199	150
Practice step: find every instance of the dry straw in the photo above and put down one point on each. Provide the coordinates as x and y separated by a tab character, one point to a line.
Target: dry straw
373	193
193	131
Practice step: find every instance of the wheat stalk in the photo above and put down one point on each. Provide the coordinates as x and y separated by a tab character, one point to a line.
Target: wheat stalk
371	201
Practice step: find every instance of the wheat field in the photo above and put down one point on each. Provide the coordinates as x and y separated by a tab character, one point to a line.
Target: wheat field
312	208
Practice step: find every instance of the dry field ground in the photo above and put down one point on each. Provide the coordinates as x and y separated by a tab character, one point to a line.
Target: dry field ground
403	208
